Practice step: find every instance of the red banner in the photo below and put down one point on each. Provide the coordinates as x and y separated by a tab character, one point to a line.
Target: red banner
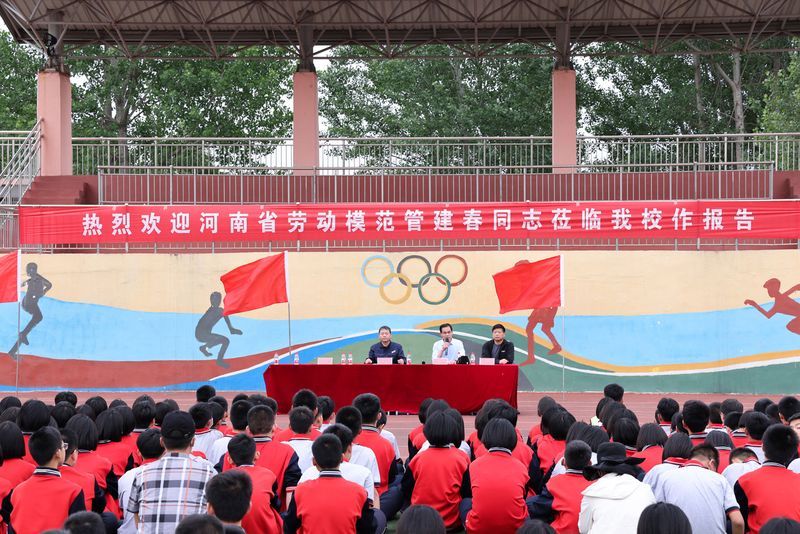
775	219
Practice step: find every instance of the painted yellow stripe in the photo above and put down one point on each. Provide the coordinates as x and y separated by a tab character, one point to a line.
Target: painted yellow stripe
753	358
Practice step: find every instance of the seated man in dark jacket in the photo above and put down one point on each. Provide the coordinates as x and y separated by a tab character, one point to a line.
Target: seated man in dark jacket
499	347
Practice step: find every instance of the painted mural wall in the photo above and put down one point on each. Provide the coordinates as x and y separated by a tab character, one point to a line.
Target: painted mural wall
652	321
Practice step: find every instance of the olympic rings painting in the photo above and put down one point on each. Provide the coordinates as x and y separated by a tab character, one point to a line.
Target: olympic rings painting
392	273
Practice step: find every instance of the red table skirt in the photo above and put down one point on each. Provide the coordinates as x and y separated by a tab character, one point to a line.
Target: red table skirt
400	387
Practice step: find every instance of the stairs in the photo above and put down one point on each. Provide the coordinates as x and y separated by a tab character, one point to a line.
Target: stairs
62	190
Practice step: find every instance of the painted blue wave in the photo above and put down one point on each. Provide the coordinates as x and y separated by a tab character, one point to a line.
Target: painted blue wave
94	332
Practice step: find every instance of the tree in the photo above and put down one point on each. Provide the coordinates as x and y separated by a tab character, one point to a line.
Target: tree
18	67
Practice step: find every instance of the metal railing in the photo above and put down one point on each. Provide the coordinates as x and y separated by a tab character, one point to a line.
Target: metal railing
258	185
18	172
347	154
10	141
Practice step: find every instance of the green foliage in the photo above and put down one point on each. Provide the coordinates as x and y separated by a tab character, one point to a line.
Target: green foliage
781	111
18	67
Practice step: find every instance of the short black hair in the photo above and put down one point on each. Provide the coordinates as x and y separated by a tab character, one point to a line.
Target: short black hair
557	421
436	405
109	426
384	327
70	439
695	416
144	413
242	449
260	420
217	412
62	412
609	411
503	410
594	436
240	396
351	418
44	443
756	424
730	405
482	417
598	409
626	431
86	431
498	326
715	413
499	433
420	519
667	407
205	392
116	403
650	434
439	429
342	432
578	454
780	444
327	451
219	399
85	523
200	524
263	400
10	401
423	409
128	421
761	405
676	425
326	407
732	420
370	407
445	325
743	453
663	518
459	435
614	392
788	406
85	409
300	420
12	443
98	404
66	396
229	493
201	415
149	444
780	525
718	438
162	409
307	398
678	445
708	452
145	398
773	413
33	415
238	414
535	526
382	419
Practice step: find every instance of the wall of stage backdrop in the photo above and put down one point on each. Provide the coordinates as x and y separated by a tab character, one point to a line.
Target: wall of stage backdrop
654	321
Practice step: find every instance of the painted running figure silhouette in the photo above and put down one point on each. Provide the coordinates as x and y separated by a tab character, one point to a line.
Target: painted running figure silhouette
206	323
546	317
37	287
784	304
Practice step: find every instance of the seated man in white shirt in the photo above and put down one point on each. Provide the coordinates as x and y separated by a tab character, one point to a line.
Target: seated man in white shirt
149	445
447	347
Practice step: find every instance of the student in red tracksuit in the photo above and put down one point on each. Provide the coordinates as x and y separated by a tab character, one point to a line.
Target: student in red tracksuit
772	490
417	430
723	443
90	462
695	420
110	445
263	516
94	496
278	457
45	500
650	445
560	500
14	468
330	504
550	447
439	475
756	423
498	484
33	415
436	405
626	431
665	410
389	492
544	404
307	398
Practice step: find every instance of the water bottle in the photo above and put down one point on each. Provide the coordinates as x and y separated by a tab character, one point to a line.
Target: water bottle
296	358
344	359
472	358
408	359
350	359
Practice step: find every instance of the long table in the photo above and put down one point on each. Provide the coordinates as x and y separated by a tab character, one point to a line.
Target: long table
400	387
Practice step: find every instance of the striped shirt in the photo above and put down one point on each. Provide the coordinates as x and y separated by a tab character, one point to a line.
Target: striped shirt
168	490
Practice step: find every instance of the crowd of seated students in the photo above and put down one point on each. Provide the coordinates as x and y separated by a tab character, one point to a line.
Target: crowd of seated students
227	467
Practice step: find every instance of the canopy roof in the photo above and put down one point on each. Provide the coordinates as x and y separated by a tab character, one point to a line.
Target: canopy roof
392	28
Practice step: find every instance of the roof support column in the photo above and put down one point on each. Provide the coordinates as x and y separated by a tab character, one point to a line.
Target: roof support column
54	110
564	104
306	109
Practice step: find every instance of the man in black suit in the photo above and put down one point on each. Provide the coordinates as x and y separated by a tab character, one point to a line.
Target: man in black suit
499	347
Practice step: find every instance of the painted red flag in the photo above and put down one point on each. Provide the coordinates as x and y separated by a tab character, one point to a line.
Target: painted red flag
528	285
8	277
255	285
